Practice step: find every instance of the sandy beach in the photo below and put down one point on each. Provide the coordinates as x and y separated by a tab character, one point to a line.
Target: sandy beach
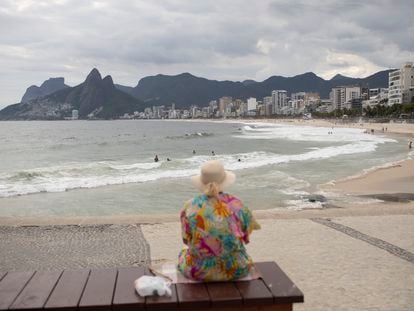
395	178
395	128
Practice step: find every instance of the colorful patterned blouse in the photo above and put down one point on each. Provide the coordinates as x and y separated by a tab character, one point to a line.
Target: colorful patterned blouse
215	231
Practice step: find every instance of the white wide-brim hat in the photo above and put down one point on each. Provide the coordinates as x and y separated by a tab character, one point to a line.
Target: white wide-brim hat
213	171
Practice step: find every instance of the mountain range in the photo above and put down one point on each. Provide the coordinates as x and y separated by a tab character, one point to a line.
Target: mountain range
94	97
104	99
48	87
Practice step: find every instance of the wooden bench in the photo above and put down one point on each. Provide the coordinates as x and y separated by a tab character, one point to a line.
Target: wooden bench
112	289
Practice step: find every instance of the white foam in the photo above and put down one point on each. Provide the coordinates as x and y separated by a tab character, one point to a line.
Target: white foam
97	174
307	133
302	204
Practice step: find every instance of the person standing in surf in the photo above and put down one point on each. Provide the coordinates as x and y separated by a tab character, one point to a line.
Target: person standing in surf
215	227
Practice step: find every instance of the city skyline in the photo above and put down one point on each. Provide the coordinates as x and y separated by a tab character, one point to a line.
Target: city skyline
222	41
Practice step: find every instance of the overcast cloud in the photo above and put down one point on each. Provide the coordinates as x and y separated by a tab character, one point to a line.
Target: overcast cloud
226	39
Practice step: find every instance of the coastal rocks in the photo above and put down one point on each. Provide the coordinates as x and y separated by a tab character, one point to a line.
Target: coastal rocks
316	198
393	197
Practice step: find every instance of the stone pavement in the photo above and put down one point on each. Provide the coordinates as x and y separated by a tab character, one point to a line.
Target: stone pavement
72	247
340	263
335	270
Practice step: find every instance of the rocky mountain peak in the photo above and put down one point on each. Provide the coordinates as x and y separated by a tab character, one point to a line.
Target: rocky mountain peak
107	82
93	76
49	86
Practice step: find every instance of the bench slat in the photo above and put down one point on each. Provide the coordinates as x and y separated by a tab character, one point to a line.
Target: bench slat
68	290
99	290
156	303
281	286
125	297
254	292
193	296
37	291
224	294
11	285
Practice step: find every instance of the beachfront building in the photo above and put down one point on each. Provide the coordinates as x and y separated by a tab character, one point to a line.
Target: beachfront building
376	96
401	85
224	102
342	96
267	103
251	106
279	101
324	105
311	100
298	95
75	114
296	106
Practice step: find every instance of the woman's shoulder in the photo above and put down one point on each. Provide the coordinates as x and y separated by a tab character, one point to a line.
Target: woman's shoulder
231	200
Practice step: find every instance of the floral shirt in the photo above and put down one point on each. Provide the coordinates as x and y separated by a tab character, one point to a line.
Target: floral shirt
215	231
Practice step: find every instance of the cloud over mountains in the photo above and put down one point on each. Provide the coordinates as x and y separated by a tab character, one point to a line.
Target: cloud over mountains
230	39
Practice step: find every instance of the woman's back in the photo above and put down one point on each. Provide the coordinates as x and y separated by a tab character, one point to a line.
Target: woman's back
215	230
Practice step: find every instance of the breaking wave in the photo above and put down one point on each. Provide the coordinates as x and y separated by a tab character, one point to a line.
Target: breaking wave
103	173
191	135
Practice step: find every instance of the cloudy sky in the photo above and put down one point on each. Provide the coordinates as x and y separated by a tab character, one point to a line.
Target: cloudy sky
226	39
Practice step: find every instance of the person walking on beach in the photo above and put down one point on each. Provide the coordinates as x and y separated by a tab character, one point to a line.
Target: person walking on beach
215	227
410	144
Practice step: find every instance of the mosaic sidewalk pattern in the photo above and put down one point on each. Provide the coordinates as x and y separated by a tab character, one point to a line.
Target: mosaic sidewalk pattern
72	247
391	248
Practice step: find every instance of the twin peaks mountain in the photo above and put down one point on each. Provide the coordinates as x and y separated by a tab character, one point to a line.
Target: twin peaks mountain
102	99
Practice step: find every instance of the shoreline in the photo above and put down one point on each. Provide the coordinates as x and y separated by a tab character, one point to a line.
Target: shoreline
372	209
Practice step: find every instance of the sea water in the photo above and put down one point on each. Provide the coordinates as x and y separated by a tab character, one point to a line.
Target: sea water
75	168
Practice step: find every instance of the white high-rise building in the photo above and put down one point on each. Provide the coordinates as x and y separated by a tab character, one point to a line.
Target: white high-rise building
342	95
75	114
401	85
251	104
279	100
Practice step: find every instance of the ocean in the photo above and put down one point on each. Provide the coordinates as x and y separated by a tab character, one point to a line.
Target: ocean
93	168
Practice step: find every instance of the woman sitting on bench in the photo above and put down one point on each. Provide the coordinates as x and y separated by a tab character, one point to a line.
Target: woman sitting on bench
215	227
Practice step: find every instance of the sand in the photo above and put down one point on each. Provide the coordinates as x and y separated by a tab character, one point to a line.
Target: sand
396	128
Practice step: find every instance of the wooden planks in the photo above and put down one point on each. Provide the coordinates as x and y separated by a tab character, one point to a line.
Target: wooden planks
156	303
37	291
224	294
113	289
125	297
68	290
99	290
281	286
254	292
11	285
193	296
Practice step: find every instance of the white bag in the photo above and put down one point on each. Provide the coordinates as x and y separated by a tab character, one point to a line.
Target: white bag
152	285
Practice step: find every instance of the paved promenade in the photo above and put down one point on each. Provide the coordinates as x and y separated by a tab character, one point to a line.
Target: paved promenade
353	263
340	263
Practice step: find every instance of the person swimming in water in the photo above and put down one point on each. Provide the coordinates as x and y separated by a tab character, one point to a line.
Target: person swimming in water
213	153
156	158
